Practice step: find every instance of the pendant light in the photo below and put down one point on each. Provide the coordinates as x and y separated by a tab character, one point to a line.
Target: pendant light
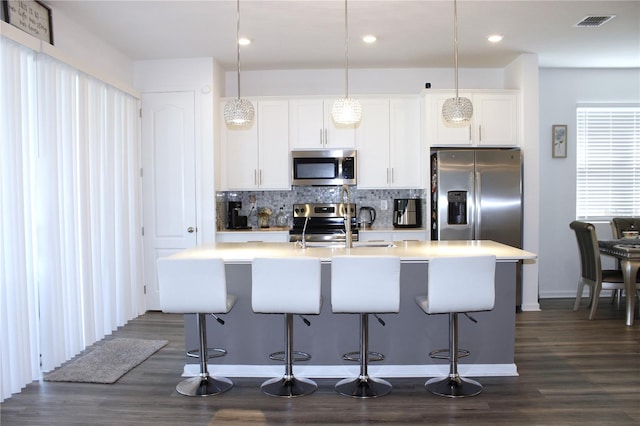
238	112
346	110
456	112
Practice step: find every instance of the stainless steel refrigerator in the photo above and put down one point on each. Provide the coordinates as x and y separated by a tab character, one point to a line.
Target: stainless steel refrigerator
477	195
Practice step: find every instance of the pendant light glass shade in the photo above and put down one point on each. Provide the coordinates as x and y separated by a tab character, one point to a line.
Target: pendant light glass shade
238	112
346	110
456	112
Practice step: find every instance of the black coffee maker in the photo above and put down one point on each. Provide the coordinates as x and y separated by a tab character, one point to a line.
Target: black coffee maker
234	220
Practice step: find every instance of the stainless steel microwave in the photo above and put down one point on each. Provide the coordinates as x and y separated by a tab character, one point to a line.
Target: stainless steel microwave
324	167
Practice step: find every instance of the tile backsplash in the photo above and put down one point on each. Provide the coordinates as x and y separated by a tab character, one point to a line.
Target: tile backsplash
314	194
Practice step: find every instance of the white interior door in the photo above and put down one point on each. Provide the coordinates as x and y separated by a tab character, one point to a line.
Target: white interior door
168	176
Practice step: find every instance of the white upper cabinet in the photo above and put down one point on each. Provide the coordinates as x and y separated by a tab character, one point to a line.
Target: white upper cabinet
495	120
388	143
311	126
257	156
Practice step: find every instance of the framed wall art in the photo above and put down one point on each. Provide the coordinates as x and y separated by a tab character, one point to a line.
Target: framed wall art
559	141
30	16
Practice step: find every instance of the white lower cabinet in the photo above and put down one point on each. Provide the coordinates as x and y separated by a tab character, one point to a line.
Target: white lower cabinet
257	156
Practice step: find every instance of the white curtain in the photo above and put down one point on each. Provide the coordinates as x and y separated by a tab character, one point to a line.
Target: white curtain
86	248
19	363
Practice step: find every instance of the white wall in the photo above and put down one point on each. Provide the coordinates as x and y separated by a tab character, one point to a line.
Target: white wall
560	91
523	74
361	81
91	53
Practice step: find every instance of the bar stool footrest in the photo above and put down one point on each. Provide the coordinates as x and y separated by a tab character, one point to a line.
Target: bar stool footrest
211	353
298	356
355	356
439	353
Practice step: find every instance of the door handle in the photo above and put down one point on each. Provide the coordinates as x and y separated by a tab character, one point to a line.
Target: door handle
191	229
477	206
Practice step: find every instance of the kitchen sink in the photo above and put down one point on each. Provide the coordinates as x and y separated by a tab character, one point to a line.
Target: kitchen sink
388	244
334	244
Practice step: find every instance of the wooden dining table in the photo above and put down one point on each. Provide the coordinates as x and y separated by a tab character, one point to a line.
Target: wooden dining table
628	252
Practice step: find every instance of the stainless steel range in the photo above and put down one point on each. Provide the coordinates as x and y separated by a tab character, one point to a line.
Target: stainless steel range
324	222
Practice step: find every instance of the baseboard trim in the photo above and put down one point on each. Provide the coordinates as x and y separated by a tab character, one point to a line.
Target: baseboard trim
338	371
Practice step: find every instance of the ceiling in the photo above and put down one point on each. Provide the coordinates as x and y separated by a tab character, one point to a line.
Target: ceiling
306	34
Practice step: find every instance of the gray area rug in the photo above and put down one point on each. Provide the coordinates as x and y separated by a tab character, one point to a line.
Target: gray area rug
107	362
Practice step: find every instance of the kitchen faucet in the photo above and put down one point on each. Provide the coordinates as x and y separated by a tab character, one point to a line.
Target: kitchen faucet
304	230
345	196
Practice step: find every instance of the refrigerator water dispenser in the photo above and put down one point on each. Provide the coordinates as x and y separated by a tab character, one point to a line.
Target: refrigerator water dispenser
457	208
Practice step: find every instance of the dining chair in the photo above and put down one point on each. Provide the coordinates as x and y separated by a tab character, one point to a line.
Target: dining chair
619	224
592	274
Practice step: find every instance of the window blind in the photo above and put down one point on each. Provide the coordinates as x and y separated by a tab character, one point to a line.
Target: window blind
608	162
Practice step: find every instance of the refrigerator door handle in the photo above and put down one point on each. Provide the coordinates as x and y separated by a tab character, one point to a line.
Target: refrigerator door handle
476	205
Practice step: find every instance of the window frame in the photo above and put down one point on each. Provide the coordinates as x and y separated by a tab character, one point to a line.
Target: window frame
607	161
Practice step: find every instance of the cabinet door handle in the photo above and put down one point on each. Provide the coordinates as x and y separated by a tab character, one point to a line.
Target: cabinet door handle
387	175
470	133
480	132
321	141
191	229
392	177
260	177
255	177
326	141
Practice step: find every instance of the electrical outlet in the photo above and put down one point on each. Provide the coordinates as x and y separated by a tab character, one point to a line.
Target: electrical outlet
383	205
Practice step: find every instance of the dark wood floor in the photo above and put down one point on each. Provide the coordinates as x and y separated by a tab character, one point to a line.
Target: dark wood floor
572	372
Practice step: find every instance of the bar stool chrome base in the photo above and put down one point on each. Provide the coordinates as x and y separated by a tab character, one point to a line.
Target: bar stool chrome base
289	387
204	386
453	386
363	387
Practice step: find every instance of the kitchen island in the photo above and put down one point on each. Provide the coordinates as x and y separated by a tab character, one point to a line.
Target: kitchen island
406	339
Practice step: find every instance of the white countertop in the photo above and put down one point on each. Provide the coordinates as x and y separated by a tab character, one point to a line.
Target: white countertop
408	251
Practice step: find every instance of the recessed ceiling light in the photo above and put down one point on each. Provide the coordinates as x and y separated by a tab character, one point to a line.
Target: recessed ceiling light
369	38
494	38
244	41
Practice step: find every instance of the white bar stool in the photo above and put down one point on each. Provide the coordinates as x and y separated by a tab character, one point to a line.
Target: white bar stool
199	286
286	286
364	285
457	285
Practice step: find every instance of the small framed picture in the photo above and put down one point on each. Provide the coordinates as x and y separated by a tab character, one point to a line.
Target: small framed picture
559	141
30	16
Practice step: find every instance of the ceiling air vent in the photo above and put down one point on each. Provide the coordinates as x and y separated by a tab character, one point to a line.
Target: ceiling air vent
594	21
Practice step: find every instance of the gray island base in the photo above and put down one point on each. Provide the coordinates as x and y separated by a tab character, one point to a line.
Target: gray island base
405	340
